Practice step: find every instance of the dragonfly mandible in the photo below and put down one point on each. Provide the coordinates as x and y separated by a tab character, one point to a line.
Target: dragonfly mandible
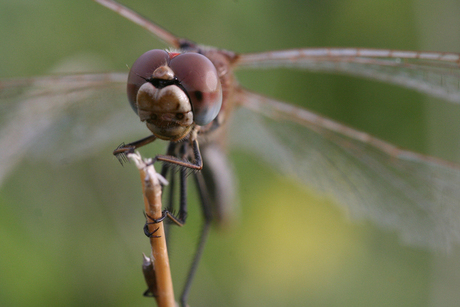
324	142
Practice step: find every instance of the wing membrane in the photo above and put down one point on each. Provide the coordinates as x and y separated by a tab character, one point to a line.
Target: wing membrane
433	73
156	30
410	193
62	117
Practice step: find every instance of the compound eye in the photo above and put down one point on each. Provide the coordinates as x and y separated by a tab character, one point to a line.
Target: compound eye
199	77
143	68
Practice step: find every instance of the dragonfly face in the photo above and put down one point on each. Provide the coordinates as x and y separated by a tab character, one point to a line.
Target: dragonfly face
259	231
172	91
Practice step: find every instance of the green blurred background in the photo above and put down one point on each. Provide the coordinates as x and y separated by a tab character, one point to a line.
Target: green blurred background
72	235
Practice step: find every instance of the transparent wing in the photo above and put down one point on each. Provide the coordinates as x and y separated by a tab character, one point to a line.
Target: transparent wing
410	193
433	73
63	117
150	26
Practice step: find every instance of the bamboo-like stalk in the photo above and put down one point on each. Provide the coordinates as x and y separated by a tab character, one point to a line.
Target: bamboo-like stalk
151	188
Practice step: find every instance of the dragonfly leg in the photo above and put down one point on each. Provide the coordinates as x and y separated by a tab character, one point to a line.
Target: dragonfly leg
167	167
207	215
165	171
147	223
121	151
196	165
184	164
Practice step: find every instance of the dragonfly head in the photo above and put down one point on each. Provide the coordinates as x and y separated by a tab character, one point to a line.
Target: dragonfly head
172	92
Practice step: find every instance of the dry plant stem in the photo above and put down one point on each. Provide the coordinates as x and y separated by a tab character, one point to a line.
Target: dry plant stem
152	199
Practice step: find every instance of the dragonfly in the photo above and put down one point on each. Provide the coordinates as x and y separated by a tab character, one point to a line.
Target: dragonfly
367	175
